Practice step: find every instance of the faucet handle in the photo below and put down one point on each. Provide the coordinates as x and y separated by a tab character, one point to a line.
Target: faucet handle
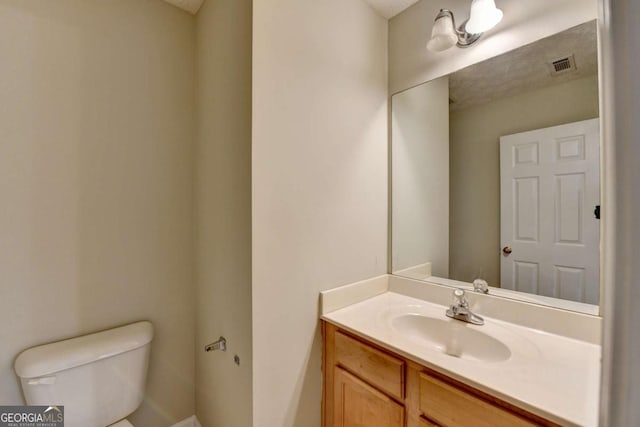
460	309
481	286
460	298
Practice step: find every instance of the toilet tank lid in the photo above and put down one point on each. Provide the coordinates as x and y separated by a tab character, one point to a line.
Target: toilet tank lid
55	357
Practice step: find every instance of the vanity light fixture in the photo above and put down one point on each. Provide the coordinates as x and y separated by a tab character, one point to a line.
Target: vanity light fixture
484	15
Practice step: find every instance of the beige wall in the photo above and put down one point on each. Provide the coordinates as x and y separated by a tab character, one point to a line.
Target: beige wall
95	183
420	177
410	63
223	212
475	166
319	185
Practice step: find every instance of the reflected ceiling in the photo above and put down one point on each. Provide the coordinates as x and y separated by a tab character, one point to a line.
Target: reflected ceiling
526	68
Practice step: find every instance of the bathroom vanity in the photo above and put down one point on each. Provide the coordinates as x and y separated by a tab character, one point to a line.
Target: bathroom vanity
392	358
380	388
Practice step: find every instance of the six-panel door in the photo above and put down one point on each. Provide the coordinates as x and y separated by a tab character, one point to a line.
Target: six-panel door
550	187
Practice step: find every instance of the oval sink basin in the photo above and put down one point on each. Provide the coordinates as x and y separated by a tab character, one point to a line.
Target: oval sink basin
453	338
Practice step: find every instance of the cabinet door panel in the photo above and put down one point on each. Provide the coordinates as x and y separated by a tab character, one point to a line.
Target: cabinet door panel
426	423
452	407
357	404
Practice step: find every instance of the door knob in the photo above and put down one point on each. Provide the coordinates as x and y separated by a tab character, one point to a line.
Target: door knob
507	250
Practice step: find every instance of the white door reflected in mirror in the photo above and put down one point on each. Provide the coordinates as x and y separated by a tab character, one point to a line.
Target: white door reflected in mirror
549	188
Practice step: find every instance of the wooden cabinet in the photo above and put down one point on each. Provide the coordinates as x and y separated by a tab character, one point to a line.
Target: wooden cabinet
368	386
450	406
426	423
379	369
358	404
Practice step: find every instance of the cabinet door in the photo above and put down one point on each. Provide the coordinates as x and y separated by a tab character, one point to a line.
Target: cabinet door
453	407
357	404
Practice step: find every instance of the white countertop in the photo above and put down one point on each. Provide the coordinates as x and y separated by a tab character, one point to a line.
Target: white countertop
550	375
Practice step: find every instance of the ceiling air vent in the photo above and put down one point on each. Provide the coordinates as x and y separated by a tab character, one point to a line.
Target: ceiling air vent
563	65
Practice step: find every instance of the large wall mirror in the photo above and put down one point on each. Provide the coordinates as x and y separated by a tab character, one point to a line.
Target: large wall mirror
496	175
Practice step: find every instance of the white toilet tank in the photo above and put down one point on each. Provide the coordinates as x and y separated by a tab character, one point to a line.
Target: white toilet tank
99	378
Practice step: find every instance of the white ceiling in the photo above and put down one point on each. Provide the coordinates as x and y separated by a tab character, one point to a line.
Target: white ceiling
390	8
191	6
387	8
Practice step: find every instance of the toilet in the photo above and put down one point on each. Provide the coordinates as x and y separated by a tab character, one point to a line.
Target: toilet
98	378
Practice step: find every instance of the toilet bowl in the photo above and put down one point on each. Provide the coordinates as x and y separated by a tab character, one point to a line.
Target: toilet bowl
83	373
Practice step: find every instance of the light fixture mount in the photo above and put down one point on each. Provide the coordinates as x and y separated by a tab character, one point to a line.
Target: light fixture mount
465	39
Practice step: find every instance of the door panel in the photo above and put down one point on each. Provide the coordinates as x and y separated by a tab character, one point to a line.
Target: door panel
357	404
526	276
569	203
527	195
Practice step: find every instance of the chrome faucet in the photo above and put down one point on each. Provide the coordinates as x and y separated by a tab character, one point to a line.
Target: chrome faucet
459	310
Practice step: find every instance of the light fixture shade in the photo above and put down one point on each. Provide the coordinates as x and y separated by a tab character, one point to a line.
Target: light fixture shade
484	16
443	35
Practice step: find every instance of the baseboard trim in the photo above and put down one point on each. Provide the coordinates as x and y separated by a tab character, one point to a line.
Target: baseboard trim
192	421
